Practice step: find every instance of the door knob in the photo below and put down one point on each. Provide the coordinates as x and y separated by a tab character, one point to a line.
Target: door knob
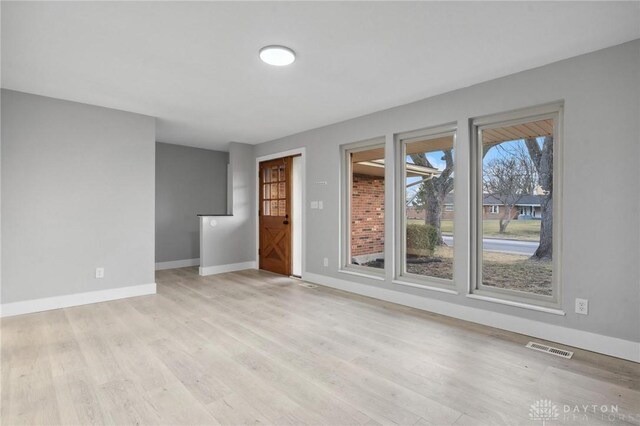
286	219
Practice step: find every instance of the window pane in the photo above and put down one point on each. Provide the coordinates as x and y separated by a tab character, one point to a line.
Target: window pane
267	175
429	182
517	208
367	207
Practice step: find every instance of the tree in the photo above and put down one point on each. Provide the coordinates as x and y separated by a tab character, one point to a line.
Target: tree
542	158
508	178
432	192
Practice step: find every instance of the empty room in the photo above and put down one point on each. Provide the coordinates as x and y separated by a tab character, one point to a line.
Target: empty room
320	213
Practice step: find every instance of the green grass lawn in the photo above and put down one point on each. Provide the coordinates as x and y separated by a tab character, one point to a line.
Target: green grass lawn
524	230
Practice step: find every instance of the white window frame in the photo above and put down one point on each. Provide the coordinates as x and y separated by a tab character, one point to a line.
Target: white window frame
495	209
400	239
517	298
345	210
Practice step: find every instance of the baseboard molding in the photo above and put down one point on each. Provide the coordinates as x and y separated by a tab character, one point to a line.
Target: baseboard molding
613	346
77	299
177	264
219	269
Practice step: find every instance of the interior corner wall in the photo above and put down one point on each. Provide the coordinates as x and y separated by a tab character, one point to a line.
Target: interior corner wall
77	193
601	190
189	181
226	241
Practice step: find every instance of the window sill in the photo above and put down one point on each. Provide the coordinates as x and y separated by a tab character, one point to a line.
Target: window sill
538	308
425	287
362	274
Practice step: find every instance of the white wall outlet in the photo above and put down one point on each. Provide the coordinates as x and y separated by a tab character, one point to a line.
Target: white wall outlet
320	206
99	272
314	204
326	261
582	306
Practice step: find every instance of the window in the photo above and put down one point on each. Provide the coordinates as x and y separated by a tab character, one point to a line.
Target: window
426	185
364	216
274	190
515	158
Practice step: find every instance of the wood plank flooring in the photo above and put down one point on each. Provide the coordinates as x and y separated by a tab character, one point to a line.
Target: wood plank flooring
251	347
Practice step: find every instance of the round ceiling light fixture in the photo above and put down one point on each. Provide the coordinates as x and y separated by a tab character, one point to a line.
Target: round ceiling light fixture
277	55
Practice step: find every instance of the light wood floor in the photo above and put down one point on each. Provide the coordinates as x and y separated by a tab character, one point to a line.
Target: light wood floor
251	347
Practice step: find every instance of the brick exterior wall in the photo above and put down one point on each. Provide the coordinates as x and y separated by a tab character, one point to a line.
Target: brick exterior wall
367	215
413	213
487	215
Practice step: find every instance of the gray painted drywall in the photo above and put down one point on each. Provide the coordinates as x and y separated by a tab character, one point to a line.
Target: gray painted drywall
601	179
232	240
188	181
77	193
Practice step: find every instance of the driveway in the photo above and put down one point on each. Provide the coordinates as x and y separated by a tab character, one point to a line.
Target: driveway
505	246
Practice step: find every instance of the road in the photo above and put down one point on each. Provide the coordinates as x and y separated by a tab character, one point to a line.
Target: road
504	246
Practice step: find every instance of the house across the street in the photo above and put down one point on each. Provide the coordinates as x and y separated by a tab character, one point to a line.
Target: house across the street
526	208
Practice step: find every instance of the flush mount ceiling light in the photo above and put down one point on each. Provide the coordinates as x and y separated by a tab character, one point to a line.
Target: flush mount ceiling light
277	55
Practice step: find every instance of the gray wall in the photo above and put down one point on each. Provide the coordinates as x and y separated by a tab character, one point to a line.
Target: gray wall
77	193
188	181
600	223
233	240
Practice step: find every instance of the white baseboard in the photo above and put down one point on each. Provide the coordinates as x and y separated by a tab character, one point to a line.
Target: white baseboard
57	302
613	346
177	264
219	269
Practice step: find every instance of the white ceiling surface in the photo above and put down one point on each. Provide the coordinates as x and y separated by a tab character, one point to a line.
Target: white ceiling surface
195	66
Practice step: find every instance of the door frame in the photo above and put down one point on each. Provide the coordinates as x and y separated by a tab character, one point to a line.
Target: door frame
303	175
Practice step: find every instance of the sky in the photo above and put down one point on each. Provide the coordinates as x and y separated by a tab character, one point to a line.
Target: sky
497	152
435	158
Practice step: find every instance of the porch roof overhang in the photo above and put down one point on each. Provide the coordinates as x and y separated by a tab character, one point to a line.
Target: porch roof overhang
376	168
533	129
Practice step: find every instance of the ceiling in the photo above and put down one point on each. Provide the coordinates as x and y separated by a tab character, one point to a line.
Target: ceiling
195	65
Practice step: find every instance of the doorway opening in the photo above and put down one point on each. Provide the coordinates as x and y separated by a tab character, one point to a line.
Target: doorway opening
280	215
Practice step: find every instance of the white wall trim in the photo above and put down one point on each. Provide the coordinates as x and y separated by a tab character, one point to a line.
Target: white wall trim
77	299
177	264
219	269
613	346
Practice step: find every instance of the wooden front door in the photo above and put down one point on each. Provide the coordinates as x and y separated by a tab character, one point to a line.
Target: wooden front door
275	215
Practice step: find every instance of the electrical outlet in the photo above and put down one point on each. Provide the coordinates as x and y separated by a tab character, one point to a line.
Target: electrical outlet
320	205
326	261
99	272
582	306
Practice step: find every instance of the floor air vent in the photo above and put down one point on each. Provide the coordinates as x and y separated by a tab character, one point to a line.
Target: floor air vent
307	285
550	350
